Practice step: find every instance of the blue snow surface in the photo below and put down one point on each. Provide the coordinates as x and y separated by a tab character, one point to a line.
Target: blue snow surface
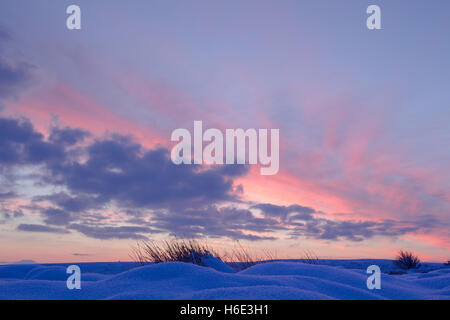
272	280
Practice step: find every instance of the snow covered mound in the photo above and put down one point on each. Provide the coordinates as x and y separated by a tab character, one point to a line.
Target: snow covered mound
276	280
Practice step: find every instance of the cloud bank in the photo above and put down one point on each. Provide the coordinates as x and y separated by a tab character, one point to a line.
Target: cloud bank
114	188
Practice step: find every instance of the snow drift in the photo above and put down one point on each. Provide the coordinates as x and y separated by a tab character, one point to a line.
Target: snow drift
275	280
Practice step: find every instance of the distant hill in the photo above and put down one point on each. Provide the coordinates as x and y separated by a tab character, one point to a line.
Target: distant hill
20	262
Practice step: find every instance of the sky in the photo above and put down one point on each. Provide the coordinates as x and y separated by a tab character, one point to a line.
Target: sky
86	118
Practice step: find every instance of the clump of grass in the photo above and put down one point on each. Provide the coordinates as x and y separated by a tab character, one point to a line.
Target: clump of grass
309	257
192	251
240	258
407	260
189	251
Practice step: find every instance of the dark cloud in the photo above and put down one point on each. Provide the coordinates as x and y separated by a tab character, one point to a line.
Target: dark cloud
70	203
325	229
120	170
67	136
108	232
14	76
232	170
271	210
231	222
18	213
40	228
21	144
157	196
304	222
116	170
7	195
58	217
215	222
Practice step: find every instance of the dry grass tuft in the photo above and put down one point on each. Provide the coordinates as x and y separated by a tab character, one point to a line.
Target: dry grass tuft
192	251
189	251
309	257
407	260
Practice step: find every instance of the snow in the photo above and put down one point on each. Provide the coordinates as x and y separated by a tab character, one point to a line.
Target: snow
217	264
332	279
